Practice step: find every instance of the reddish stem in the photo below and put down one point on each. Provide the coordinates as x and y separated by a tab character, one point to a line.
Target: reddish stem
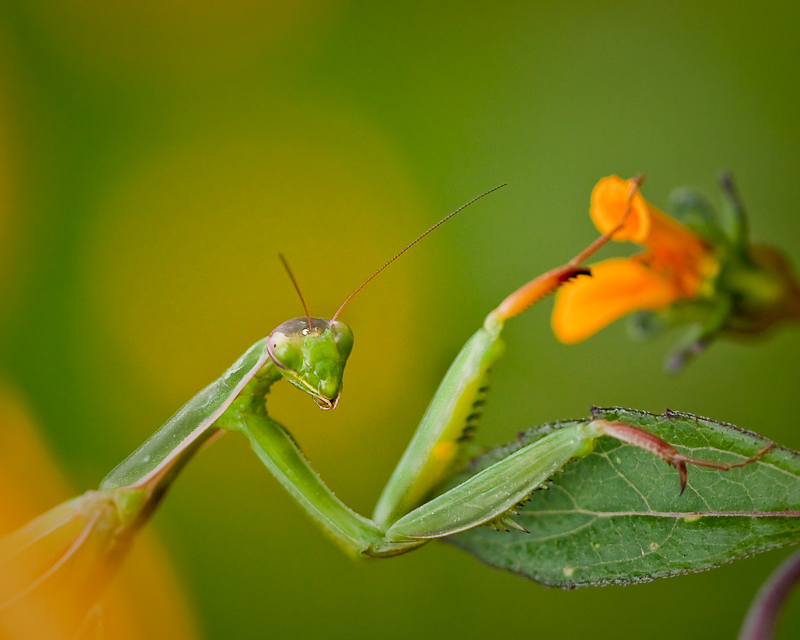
762	616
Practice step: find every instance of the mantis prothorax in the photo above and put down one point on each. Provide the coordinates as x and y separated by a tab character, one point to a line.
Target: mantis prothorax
311	354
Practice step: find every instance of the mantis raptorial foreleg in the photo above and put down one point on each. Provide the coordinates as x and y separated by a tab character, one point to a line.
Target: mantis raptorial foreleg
434	446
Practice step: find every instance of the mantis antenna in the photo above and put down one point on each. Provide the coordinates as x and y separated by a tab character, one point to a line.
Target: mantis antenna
437	225
296	287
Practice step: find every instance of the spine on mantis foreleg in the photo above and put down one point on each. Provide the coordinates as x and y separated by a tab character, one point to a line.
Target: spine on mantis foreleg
191	425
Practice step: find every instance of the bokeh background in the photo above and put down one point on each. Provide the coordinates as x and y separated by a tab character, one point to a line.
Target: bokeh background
155	155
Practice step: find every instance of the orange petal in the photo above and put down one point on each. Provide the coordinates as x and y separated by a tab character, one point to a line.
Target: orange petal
617	286
673	243
610	198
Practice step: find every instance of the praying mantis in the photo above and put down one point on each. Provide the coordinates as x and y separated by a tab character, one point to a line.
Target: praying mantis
311	353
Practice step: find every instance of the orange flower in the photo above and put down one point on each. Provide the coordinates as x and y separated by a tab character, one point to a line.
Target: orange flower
676	265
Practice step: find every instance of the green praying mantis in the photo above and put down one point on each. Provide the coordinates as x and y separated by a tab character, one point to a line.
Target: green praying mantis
311	354
56	566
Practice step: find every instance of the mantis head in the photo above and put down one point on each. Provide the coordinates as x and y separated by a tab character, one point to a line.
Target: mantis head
311	354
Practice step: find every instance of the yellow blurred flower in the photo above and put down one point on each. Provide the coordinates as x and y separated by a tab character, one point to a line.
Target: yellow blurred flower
55	568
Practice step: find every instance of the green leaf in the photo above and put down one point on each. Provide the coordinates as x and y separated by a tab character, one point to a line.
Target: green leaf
617	516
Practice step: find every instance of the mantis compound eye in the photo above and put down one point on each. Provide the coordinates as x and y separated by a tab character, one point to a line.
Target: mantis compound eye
285	343
343	337
284	352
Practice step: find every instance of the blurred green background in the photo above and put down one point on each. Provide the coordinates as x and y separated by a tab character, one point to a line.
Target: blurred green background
155	155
